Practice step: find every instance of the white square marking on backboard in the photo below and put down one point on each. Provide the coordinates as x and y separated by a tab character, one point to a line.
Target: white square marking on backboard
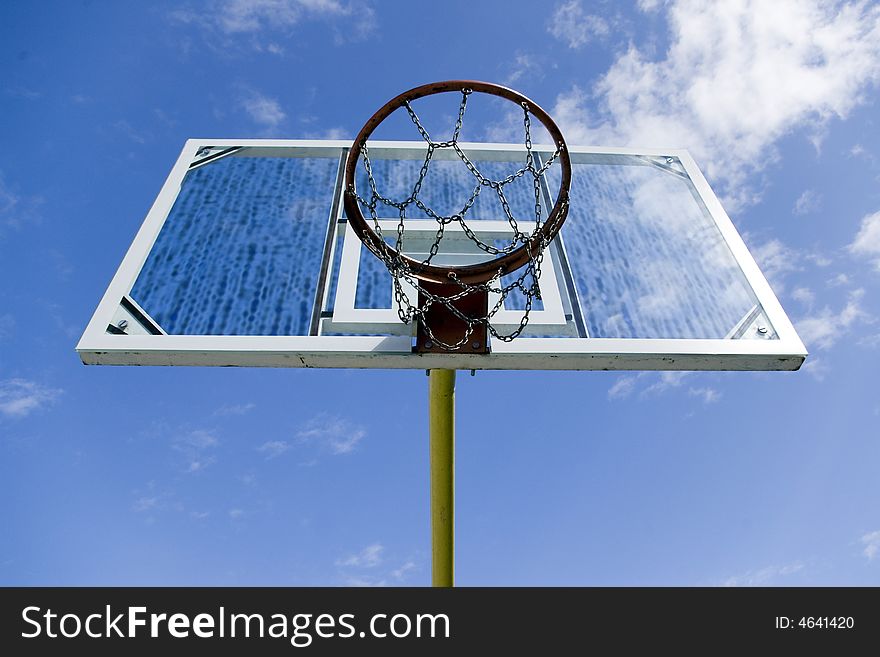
552	316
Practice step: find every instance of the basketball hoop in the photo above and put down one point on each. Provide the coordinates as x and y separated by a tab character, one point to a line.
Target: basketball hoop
452	311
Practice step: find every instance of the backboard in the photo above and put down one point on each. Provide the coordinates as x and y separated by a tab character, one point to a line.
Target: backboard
246	259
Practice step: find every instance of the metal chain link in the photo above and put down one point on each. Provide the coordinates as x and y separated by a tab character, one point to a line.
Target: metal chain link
401	269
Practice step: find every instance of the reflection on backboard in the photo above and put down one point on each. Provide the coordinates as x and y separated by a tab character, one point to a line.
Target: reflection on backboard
246	258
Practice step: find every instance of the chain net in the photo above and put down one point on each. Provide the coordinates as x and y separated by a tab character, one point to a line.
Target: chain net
403	269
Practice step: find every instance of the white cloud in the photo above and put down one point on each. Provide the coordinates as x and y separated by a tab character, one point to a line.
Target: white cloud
369	557
253	15
235	513
197	465
804	295
335	434
196	447
250	17
263	110
808	202
707	395
7	323
827	326
859	151
8	203
145	504
370	567
129	131
330	133
524	65
837	281
776	260
199	439
400	573
623	387
736	78
816	368
871	541
362	581
818	259
24	93
274	448
658	383
235	409
765	576
19	397
867	241
572	25
667	381
16	210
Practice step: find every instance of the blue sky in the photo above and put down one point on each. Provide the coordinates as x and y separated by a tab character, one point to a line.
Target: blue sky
126	476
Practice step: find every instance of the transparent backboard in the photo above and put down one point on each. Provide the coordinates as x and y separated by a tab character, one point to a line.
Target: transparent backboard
246	258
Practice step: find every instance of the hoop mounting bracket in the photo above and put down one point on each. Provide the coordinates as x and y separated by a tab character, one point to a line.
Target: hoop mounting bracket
448	327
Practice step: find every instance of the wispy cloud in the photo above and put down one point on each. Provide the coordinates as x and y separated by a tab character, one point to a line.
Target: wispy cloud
331	433
125	128
666	381
524	66
861	152
766	576
237	18
871	541
7	324
274	448
23	93
235	409
867	241
364	581
804	295
623	387
574	26
706	394
776	260
401	573
826	327
369	557
8	202
736	78
816	368
16	209
145	503
263	110
808	202
651	384
337	132
255	15
20	397
197	448
371	567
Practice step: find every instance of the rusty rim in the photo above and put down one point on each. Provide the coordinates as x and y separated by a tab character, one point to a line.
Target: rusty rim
484	271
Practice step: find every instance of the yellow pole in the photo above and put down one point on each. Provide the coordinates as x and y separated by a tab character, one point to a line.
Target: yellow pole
441	412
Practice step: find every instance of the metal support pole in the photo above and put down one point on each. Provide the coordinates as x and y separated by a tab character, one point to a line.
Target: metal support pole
441	413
